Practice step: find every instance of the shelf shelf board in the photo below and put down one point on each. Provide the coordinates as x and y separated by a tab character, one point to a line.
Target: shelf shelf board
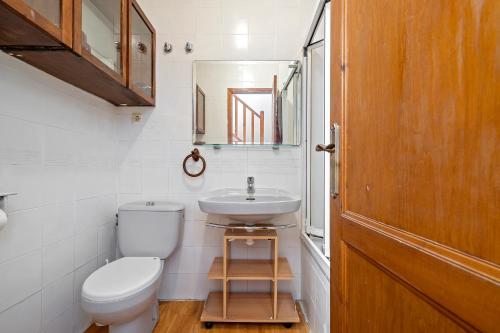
250	308
250	269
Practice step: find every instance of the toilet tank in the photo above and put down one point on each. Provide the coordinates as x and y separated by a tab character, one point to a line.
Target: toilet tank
149	228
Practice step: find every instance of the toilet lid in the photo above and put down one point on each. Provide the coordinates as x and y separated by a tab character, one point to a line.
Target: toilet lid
121	278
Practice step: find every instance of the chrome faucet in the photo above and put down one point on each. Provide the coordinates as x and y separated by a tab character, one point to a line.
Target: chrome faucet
251	186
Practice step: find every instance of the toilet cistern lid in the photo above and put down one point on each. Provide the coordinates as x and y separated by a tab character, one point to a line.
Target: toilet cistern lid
121	278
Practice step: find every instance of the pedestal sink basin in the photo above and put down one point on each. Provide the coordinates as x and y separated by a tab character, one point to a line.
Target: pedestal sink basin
238	205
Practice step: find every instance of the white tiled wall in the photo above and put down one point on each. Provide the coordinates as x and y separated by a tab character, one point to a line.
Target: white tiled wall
151	152
72	157
57	150
315	289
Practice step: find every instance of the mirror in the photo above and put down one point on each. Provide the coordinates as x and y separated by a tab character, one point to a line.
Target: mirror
246	102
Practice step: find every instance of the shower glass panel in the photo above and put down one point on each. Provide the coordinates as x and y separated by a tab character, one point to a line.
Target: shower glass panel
50	9
101	31
318	132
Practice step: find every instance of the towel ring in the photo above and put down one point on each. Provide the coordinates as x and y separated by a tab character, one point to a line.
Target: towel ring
196	156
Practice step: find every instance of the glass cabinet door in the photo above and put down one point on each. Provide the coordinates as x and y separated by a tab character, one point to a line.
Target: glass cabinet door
36	23
102	31
142	49
50	9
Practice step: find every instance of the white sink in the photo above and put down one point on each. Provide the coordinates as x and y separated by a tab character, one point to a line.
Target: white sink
236	204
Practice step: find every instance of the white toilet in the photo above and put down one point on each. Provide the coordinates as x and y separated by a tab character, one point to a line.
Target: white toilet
123	294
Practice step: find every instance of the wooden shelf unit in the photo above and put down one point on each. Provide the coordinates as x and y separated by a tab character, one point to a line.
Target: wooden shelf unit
250	307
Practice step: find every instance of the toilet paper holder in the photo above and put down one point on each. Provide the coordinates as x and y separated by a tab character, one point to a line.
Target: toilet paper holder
3	196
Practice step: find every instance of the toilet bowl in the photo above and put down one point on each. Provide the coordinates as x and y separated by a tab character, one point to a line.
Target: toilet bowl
123	294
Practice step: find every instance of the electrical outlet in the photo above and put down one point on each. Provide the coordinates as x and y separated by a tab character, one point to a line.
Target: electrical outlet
136	117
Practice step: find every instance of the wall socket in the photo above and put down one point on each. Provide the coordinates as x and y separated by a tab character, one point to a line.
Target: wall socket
136	117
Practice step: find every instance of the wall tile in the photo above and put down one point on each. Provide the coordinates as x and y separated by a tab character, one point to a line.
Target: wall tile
23	317
58	260
315	293
22	234
61	324
85	247
56	299
20	278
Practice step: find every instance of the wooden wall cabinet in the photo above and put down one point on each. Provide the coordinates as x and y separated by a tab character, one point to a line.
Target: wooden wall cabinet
87	43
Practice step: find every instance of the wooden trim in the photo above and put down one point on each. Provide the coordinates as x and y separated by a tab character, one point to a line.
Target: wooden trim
67	22
124	46
404	254
253	129
245	123
143	16
236	111
77	24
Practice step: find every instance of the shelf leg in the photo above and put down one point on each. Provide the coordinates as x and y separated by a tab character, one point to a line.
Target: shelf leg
225	291
274	249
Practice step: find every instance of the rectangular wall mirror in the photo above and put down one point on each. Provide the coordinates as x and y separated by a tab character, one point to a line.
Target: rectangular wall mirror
246	102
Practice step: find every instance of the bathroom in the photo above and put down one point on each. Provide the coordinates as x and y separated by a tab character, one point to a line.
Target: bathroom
98	144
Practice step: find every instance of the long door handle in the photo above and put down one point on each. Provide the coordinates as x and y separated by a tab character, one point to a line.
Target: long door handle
335	161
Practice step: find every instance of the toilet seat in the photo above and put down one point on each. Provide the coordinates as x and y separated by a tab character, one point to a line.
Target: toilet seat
121	279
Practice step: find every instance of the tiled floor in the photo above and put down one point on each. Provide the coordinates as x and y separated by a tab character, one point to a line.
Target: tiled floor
183	317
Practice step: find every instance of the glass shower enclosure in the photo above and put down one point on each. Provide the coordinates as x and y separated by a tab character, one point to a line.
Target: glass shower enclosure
318	130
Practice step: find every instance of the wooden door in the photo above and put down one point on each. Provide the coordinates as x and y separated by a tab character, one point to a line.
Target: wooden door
416	228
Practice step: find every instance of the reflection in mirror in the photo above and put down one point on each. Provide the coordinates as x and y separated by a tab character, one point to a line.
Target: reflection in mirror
101	31
246	102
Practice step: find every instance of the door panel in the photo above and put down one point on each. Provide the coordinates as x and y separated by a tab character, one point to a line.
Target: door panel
415	315
422	104
416	229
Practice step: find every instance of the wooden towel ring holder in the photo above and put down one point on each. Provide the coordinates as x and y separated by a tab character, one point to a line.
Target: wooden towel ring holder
196	156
